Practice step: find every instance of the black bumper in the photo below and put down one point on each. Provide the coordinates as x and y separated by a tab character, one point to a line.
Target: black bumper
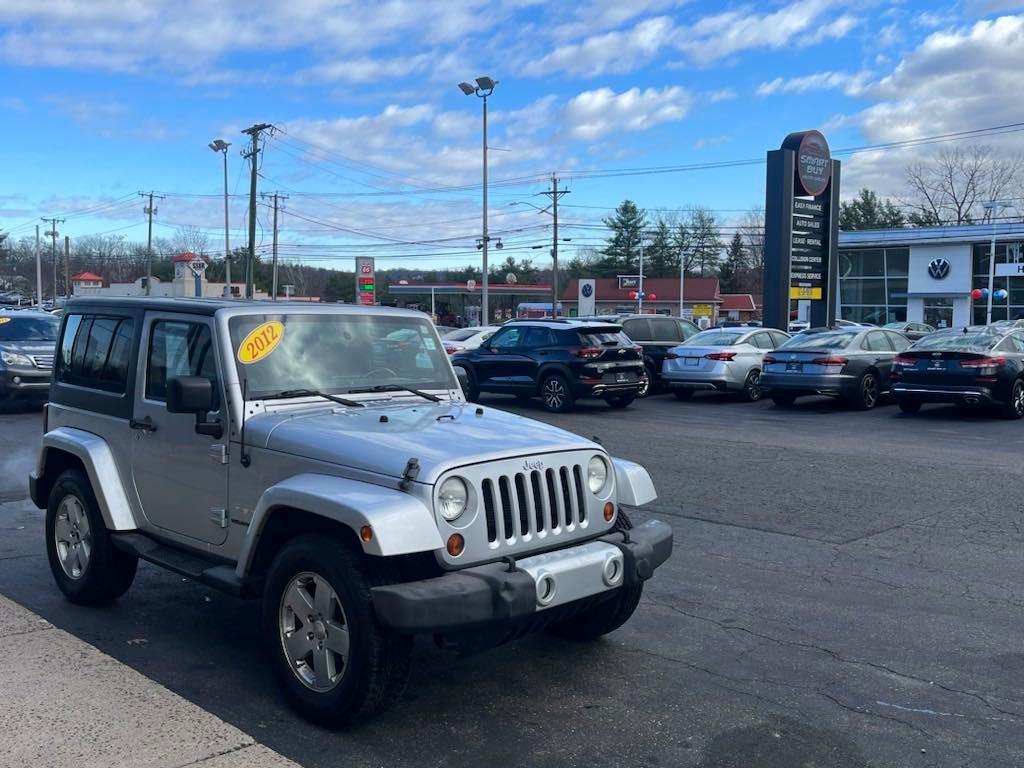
492	594
938	394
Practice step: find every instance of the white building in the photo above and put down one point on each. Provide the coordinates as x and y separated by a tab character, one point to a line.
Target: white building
926	275
185	283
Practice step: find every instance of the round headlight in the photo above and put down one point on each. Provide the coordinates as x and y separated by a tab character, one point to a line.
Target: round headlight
597	474
452	498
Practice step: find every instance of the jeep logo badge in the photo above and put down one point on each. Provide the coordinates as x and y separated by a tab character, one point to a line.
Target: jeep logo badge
532	465
938	268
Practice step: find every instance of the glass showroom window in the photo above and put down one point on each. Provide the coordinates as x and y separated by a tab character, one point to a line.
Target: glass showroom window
873	284
1012	307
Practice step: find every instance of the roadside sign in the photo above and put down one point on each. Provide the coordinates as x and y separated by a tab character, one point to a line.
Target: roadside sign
808	224
1009	270
703	310
366	284
805	292
198	266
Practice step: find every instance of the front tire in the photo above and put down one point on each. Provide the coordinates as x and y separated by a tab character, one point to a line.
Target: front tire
1014	408
556	395
335	663
87	567
621	401
606	616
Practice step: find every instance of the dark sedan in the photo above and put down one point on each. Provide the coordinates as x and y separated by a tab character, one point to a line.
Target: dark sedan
849	363
912	331
975	366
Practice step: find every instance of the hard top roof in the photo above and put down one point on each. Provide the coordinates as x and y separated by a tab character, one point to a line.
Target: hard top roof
210	306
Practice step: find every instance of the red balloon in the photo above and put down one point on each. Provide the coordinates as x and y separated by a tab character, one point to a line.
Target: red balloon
976	294
632	294
653	297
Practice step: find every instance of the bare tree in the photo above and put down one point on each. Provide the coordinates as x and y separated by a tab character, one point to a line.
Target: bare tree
191	239
951	187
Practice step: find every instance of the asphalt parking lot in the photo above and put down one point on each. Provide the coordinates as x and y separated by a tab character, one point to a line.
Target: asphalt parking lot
847	589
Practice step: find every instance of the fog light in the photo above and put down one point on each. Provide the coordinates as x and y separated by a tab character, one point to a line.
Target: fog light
366	534
16	379
456	544
609	511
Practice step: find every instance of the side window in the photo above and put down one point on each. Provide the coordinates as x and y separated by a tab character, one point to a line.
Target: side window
508	337
178	348
763	341
95	353
538	337
664	330
876	342
1018	340
638	330
685	330
899	343
779	338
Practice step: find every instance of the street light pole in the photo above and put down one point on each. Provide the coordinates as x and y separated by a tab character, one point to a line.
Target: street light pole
484	87
640	293
992	206
219	145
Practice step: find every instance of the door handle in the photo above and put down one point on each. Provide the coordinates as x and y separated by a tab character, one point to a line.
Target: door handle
146	424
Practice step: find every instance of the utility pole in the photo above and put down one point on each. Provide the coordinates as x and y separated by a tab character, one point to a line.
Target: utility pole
555	194
52	234
150	211
276	197
67	268
252	155
39	273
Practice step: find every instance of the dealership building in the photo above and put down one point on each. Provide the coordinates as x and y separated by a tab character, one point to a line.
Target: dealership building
927	274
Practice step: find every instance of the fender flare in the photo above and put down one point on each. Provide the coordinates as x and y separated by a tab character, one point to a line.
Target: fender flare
633	484
402	524
101	468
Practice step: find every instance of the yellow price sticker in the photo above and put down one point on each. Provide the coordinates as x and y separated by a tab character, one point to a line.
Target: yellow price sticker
261	341
4	320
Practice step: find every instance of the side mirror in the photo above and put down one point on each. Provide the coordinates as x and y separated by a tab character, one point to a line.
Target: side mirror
189	394
194	394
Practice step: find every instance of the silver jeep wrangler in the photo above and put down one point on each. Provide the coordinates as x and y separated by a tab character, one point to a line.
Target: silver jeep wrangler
324	459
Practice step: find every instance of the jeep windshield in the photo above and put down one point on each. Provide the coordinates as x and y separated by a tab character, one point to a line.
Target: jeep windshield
337	354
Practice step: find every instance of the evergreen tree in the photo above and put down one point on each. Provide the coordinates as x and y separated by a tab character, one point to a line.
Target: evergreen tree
704	242
661	258
869	211
733	266
622	253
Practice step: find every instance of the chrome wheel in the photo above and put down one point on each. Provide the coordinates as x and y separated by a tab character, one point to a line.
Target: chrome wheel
314	632
554	394
645	384
72	537
869	390
753	386
1018	398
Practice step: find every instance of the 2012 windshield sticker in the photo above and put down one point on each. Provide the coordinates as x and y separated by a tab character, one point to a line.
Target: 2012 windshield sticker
260	342
4	320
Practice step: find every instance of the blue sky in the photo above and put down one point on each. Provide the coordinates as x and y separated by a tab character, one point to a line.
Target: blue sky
103	98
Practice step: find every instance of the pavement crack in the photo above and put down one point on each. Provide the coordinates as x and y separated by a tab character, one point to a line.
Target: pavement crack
201	760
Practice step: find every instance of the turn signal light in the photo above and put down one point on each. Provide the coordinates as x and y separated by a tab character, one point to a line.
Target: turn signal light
456	544
609	511
721	356
366	534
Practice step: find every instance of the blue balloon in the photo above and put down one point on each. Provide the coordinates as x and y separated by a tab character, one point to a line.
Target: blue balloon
984	293
1000	295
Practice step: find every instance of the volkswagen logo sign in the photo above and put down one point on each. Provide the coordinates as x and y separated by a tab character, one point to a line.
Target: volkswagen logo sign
587	290
938	268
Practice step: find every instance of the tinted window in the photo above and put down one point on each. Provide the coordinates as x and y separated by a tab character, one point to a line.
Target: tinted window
779	337
899	342
461	334
539	337
686	330
762	341
664	330
96	352
1018	341
638	330
508	337
958	340
178	348
719	337
30	327
603	337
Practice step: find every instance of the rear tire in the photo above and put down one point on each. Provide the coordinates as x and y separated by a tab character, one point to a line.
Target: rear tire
683	394
910	406
868	392
752	391
783	399
647	386
340	629
87	567
621	401
556	395
1014	408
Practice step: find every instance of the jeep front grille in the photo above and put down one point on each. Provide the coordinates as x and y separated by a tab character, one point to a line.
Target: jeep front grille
524	505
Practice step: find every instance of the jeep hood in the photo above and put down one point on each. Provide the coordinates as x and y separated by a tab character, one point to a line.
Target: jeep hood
439	436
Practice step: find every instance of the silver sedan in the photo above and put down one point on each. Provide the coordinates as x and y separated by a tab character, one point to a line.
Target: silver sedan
722	360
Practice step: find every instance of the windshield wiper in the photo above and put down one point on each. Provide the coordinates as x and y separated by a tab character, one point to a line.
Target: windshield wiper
397	388
312	393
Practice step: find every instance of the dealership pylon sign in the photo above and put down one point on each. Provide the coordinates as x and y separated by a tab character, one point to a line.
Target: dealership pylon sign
801	229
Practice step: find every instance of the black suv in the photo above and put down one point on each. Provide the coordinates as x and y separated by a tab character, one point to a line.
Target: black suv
558	360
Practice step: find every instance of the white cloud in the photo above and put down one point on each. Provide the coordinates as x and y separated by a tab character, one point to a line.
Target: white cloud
613	52
593	114
711	141
601	15
13	104
851	85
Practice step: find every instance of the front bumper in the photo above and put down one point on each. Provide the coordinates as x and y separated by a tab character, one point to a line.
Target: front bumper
24	382
498	593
